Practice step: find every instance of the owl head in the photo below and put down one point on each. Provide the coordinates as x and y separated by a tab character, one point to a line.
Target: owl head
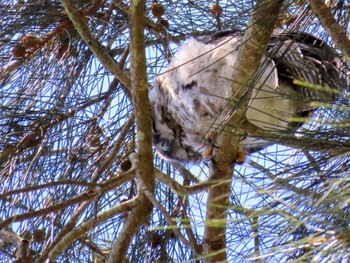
168	134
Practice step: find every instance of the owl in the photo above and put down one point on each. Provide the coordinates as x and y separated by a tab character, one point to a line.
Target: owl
189	101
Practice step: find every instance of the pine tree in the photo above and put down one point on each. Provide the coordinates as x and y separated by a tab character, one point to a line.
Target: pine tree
79	181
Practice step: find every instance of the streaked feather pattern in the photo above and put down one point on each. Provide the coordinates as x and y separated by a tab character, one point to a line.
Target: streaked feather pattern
189	101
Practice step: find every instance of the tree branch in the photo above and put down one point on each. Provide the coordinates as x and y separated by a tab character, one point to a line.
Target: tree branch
86	196
79	21
181	189
66	230
143	161
313	144
249	59
85	227
326	18
174	227
23	253
116	147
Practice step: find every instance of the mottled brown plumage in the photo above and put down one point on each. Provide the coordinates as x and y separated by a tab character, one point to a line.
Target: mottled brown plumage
189	101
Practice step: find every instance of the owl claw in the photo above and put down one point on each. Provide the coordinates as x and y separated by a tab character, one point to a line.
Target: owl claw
209	152
211	136
208	155
240	155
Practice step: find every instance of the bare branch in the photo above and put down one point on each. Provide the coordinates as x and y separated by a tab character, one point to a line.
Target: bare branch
333	147
23	253
86	196
144	169
107	162
337	32
184	190
175	228
248	61
65	231
45	211
88	225
79	22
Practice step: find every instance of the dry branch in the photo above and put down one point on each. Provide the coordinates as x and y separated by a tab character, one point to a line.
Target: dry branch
66	230
79	21
86	196
337	32
23	253
248	61
90	224
143	162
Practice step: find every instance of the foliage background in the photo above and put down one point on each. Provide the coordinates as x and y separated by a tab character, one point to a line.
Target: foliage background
67	126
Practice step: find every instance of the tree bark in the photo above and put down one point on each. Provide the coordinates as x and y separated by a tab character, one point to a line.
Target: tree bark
327	20
249	58
140	215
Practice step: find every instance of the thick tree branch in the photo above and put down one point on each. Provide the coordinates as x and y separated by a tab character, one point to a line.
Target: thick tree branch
248	62
326	18
143	162
23	253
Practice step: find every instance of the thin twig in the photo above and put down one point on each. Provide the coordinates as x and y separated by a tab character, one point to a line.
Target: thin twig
86	196
111	157
66	230
174	227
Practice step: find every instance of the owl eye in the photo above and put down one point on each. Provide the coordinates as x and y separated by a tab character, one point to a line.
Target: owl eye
166	145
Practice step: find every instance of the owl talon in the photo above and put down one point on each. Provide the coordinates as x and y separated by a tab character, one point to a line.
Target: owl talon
209	152
240	155
211	136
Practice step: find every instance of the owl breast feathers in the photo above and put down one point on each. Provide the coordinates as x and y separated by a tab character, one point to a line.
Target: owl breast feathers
190	99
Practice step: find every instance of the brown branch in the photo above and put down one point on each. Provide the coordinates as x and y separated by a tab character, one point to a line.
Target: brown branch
41	212
188	225
106	21
143	161
133	221
64	25
79	22
149	23
181	189
40	127
70	237
23	253
247	63
326	18
86	196
47	185
66	230
284	183
333	147
172	223
66	236
185	173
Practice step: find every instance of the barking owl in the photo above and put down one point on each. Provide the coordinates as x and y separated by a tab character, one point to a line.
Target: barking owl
190	99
